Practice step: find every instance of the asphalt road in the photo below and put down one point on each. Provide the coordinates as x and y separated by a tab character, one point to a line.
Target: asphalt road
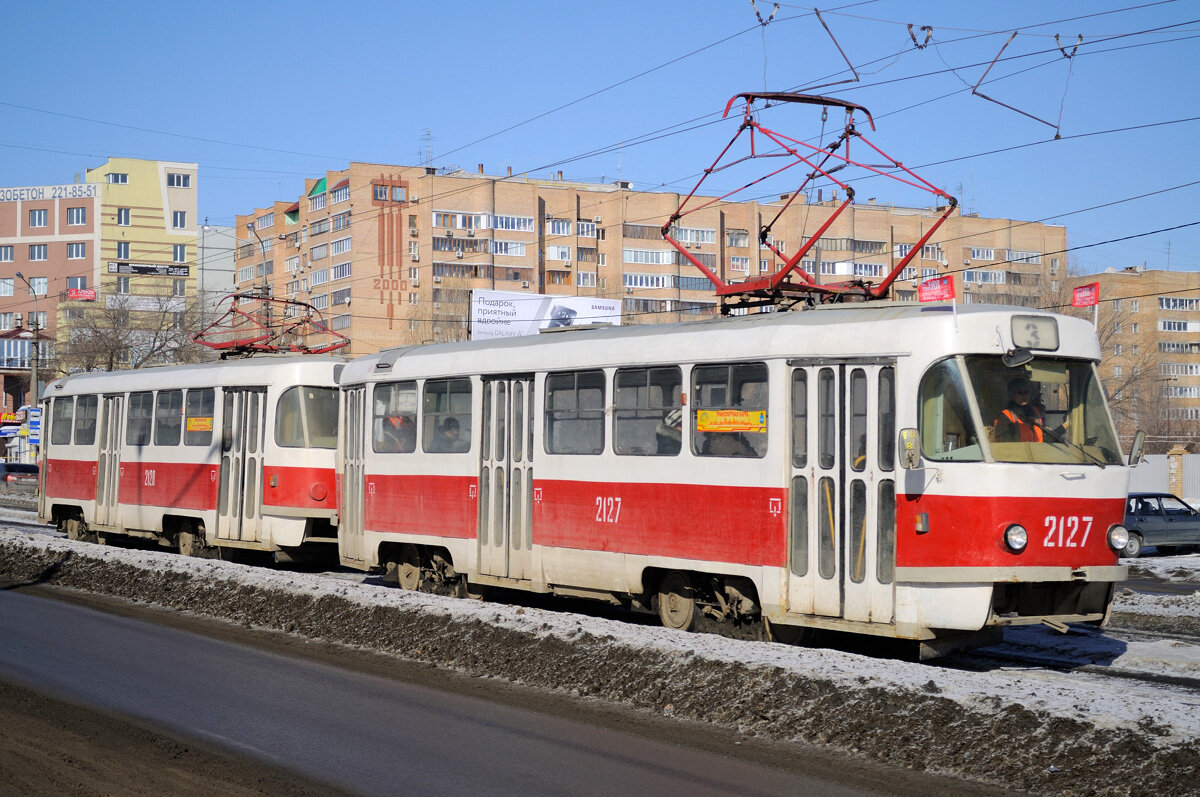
355	731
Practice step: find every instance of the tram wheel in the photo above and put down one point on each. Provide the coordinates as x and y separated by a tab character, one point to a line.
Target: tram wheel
468	589
677	601
74	528
408	568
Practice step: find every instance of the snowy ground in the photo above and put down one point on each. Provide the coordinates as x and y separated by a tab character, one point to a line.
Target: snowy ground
1073	729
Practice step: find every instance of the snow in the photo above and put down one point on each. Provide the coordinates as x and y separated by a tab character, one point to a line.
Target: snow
1100	701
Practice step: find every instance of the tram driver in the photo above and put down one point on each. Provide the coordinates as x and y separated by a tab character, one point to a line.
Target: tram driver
1022	421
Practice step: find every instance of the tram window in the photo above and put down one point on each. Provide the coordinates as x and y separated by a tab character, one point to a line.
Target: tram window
947	429
306	417
648	418
394	420
885	550
730	410
827	405
85	420
826	542
198	417
61	416
858	420
137	424
168	417
447	416
887	418
575	413
858	531
799	421
798	559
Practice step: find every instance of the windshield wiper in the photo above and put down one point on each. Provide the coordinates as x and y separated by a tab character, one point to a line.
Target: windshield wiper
1059	438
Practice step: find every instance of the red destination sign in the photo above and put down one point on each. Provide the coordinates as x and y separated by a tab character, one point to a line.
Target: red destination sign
82	294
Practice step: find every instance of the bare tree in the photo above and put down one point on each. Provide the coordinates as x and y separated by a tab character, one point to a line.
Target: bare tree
130	331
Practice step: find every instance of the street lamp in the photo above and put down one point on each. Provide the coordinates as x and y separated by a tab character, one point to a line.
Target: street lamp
35	403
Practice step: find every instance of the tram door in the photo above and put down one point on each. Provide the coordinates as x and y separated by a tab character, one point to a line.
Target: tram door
108	460
841	537
506	478
239	496
350	520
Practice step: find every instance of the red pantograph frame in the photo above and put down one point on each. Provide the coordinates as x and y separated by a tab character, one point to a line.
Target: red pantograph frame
259	332
792	283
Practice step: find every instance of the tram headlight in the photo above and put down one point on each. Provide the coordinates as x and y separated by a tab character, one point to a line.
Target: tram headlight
1016	537
1118	537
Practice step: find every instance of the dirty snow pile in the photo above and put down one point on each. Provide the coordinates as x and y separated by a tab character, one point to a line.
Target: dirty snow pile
1028	729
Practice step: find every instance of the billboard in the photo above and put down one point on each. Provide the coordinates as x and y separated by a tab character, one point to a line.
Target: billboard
507	314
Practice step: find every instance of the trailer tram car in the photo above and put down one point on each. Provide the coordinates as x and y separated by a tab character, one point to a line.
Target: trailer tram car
836	468
233	454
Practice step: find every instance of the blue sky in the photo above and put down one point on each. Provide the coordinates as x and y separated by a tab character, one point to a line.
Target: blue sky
261	95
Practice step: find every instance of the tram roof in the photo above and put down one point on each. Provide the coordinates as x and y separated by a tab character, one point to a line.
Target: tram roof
884	329
258	370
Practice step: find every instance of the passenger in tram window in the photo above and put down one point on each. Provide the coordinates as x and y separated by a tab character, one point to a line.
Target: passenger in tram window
399	434
669	434
727	444
1021	421
446	440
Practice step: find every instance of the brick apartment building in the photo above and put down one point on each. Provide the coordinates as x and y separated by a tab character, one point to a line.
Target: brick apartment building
1149	325
390	253
123	237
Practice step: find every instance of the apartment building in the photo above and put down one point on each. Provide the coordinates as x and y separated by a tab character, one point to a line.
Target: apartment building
1149	326
390	253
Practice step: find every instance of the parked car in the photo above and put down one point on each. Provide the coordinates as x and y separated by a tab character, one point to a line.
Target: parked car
1161	520
16	477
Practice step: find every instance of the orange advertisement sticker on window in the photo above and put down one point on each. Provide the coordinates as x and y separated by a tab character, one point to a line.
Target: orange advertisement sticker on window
731	420
199	424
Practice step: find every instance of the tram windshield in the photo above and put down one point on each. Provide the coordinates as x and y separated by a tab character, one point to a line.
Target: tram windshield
1049	410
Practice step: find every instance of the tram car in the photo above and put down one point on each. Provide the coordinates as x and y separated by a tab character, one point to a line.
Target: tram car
230	454
849	467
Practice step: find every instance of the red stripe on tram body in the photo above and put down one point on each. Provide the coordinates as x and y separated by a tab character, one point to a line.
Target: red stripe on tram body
71	478
968	531
441	506
181	485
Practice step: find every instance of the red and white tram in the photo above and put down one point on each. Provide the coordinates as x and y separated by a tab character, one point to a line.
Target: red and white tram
836	468
236	454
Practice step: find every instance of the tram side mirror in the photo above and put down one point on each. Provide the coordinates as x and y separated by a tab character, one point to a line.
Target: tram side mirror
910	449
1135	451
1014	358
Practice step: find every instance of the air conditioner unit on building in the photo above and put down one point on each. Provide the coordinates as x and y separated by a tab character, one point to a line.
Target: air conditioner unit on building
470	233
415	257
524	283
458	254
437	280
416	283
596	219
566	264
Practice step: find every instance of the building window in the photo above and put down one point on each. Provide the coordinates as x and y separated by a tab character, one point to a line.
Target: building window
37	218
38	285
585	229
245	273
1024	256
559	227
340	271
6	254
76	251
737	237
413	298
179	253
741	264
117	178
320	302
6	286
264	222
510	248
179	219
6	320
1117	350
178	287
511	223
340	322
983	254
1133	305
122	250
340	297
380	193
341	221
76	283
340	246
176	180
319	252
76	216
316	202
122	217
123	285
558	252
318	227
587	279
37	252
339	194
319	277
1133	330
291	264
37	320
